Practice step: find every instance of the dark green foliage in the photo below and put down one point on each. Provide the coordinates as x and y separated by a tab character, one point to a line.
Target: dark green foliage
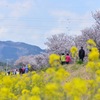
79	62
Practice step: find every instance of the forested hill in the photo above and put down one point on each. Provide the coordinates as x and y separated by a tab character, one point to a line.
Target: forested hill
13	50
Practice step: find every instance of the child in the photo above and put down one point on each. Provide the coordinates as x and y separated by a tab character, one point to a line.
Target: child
68	58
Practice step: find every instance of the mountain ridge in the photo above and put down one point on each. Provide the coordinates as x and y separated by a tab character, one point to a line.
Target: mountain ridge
14	50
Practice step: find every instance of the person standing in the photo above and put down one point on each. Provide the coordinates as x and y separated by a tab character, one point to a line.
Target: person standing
26	69
20	70
81	54
63	60
14	71
68	58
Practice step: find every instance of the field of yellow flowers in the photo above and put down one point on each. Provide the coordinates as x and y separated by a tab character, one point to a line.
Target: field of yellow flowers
54	83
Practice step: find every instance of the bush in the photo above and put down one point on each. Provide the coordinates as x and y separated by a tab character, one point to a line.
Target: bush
79	62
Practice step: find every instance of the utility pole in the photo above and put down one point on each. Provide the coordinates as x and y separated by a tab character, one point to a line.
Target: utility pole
6	65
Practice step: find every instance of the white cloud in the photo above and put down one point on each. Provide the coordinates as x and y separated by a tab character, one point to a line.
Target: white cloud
17	8
10	26
70	23
3	31
21	8
54	31
3	3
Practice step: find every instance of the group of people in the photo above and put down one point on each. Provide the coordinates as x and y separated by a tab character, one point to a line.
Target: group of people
66	59
21	70
12	72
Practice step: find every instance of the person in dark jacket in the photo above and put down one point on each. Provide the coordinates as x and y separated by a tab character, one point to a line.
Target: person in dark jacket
81	54
20	70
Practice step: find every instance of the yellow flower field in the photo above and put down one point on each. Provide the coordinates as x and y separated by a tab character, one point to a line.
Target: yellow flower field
53	83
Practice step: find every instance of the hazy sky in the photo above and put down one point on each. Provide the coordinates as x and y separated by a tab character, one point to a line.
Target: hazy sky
32	21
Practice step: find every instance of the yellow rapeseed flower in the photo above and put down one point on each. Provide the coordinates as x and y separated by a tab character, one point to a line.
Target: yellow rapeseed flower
74	51
90	66
98	79
61	74
7	81
97	97
36	90
35	77
20	85
91	85
91	42
54	59
98	72
4	91
35	98
93	55
51	88
77	87
25	91
50	71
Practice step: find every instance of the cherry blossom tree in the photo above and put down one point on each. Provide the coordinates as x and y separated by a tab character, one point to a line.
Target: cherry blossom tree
59	43
36	61
92	32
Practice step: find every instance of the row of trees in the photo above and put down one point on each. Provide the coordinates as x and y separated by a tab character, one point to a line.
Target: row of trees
36	61
61	43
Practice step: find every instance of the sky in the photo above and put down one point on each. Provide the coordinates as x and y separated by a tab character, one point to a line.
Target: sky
33	21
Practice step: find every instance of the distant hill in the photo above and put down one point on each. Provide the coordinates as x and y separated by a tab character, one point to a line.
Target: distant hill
13	50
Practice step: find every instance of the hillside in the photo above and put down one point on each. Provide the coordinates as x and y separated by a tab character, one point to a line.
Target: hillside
13	50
